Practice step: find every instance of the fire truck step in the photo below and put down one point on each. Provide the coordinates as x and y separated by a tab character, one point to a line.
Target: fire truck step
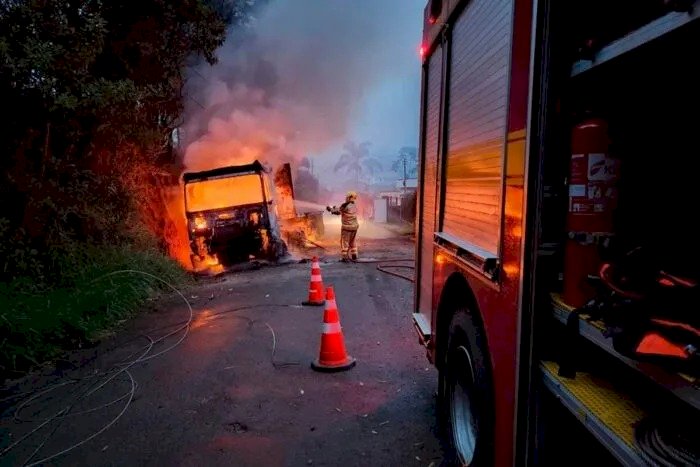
606	412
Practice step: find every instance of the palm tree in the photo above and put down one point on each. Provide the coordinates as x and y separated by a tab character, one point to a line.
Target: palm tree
357	161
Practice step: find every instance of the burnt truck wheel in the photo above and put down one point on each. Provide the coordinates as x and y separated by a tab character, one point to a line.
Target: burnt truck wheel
465	401
280	249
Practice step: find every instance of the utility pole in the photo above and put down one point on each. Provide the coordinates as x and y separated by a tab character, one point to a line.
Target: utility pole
404	174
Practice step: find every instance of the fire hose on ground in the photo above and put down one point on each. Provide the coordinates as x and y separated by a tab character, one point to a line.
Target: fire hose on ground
385	266
316	244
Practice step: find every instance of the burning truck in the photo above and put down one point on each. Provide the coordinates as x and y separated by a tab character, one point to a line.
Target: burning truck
233	215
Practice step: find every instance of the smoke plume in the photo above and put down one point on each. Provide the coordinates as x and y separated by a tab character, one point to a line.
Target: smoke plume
288	85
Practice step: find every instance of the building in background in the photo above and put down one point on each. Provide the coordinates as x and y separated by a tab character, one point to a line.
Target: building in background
397	205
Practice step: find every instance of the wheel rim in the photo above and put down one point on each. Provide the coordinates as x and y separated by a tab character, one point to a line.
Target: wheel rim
462	419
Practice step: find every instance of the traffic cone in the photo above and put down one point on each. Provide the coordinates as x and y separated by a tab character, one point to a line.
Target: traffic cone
332	355
315	285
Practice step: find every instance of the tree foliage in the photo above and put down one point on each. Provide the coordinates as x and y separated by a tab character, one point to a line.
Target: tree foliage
406	162
357	161
92	90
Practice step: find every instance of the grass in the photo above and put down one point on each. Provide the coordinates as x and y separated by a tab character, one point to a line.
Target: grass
93	297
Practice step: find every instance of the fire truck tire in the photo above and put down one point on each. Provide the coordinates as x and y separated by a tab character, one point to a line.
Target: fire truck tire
465	394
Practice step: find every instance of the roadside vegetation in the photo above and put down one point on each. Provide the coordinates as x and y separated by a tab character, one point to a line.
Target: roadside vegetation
101	290
92	93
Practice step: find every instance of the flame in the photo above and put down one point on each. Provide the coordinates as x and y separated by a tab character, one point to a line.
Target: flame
285	201
297	230
200	223
255	127
223	192
178	242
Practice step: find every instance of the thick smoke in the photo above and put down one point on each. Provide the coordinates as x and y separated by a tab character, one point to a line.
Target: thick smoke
288	86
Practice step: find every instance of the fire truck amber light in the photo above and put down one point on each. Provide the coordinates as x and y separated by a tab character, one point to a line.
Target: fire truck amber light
439	259
511	269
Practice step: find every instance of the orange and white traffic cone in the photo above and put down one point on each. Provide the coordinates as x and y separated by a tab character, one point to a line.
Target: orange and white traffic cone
315	285
332	355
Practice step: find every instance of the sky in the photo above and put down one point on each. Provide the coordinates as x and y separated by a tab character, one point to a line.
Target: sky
388	113
308	76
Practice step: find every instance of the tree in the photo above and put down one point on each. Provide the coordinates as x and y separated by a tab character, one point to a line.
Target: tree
357	161
97	91
406	163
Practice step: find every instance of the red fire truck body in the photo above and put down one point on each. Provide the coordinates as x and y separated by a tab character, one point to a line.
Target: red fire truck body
491	105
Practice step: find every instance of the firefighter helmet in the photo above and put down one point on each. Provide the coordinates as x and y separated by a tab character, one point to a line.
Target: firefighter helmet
351	196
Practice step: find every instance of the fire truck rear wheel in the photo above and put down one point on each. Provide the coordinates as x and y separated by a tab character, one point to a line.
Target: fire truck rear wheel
465	390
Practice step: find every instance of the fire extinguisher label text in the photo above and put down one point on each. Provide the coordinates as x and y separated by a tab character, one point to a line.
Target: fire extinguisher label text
577	190
601	168
591	186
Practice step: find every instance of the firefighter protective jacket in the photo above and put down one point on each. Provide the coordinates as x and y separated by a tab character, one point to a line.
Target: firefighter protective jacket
348	215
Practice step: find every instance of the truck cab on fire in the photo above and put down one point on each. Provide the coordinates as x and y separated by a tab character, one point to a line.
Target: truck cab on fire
231	216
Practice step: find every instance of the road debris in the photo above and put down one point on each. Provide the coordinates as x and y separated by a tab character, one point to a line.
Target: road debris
237	427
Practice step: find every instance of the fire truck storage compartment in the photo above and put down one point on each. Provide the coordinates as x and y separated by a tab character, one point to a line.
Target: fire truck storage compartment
649	98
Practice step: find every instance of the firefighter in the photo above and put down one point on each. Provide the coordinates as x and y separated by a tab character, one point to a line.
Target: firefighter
348	230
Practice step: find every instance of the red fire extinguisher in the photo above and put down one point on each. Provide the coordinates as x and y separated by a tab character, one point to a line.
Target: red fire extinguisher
593	176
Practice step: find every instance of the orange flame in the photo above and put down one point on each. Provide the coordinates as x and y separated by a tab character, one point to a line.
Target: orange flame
176	236
224	192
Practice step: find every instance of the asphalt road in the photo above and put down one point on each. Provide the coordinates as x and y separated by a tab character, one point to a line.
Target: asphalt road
213	393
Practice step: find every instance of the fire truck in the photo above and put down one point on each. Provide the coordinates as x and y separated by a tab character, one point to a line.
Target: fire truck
556	248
